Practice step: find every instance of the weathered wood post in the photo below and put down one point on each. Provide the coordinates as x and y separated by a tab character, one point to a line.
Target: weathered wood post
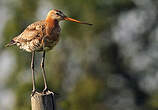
41	101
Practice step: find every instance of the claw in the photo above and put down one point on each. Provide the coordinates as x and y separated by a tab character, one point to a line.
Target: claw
33	92
45	90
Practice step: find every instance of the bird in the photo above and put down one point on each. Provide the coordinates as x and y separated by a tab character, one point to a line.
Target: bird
41	36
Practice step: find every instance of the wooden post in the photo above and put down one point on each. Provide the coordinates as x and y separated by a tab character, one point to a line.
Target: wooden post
41	101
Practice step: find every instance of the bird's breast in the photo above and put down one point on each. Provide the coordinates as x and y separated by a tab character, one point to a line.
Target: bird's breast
52	39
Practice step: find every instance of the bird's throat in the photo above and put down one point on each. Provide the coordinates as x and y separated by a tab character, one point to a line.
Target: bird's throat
50	24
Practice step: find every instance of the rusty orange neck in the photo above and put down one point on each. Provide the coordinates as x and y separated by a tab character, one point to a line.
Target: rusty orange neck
50	24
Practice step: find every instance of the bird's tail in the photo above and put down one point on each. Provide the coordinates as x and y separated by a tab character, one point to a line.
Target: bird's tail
12	42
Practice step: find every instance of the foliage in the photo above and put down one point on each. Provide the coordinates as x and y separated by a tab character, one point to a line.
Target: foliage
84	63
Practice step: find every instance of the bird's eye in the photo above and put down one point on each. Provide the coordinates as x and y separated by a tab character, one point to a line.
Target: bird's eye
58	13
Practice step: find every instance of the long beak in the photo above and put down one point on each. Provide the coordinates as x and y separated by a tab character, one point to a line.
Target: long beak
73	20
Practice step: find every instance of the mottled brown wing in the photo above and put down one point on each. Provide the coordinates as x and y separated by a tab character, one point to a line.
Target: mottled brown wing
33	31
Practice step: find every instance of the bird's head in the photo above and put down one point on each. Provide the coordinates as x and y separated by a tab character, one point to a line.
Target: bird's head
59	15
56	14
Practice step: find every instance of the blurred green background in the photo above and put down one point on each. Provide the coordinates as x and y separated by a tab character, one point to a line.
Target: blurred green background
112	65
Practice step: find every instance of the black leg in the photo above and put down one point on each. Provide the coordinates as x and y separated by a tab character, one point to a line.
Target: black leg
44	74
33	74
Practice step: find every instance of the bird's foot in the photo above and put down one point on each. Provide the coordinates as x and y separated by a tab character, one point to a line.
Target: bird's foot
33	92
45	90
